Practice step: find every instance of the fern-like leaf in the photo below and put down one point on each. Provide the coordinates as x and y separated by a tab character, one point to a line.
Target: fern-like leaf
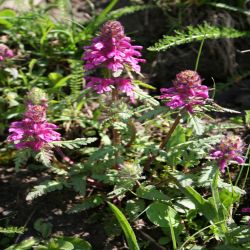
79	183
12	230
88	203
45	156
43	188
71	144
193	34
21	157
77	74
115	14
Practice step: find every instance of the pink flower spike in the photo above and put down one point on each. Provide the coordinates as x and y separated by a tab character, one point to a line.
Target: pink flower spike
33	131
229	149
112	49
187	92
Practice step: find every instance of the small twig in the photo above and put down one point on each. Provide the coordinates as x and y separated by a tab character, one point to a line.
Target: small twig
64	157
25	224
152	240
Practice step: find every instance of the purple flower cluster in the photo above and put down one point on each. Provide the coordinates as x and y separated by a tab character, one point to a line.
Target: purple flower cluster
101	85
229	149
187	92
112	50
5	52
33	131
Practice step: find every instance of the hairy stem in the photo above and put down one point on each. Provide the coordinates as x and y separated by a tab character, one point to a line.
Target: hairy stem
165	140
116	139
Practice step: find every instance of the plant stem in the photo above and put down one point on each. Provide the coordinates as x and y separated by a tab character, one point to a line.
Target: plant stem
165	140
133	133
242	168
199	54
116	139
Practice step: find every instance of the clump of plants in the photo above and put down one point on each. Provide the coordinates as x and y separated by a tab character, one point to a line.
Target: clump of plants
144	164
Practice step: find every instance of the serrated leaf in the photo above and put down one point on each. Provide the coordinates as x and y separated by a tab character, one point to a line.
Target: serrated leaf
21	158
79	184
71	144
90	202
43	188
198	33
45	156
197	124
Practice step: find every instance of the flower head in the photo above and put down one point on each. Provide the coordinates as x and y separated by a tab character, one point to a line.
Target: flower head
102	85
229	149
33	131
5	52
187	91
112	50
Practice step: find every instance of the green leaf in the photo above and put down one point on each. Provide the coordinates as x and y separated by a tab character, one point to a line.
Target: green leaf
45	156
143	84
151	193
71	144
5	15
134	208
90	202
161	214
247	117
12	230
43	227
193	34
127	229
79	184
230	8
115	14
197	124
21	157
100	19
24	245
62	82
203	206
79	244
207	175
43	188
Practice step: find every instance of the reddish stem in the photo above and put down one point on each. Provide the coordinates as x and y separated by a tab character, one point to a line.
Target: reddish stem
164	141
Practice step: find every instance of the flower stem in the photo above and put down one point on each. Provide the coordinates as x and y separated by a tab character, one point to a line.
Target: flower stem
165	140
199	55
116	139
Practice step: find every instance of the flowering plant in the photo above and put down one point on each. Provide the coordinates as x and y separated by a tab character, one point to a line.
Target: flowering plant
128	156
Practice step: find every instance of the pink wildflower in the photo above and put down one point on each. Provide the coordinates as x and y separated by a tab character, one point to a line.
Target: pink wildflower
125	86
229	149
33	131
187	91
101	85
5	52
112	49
